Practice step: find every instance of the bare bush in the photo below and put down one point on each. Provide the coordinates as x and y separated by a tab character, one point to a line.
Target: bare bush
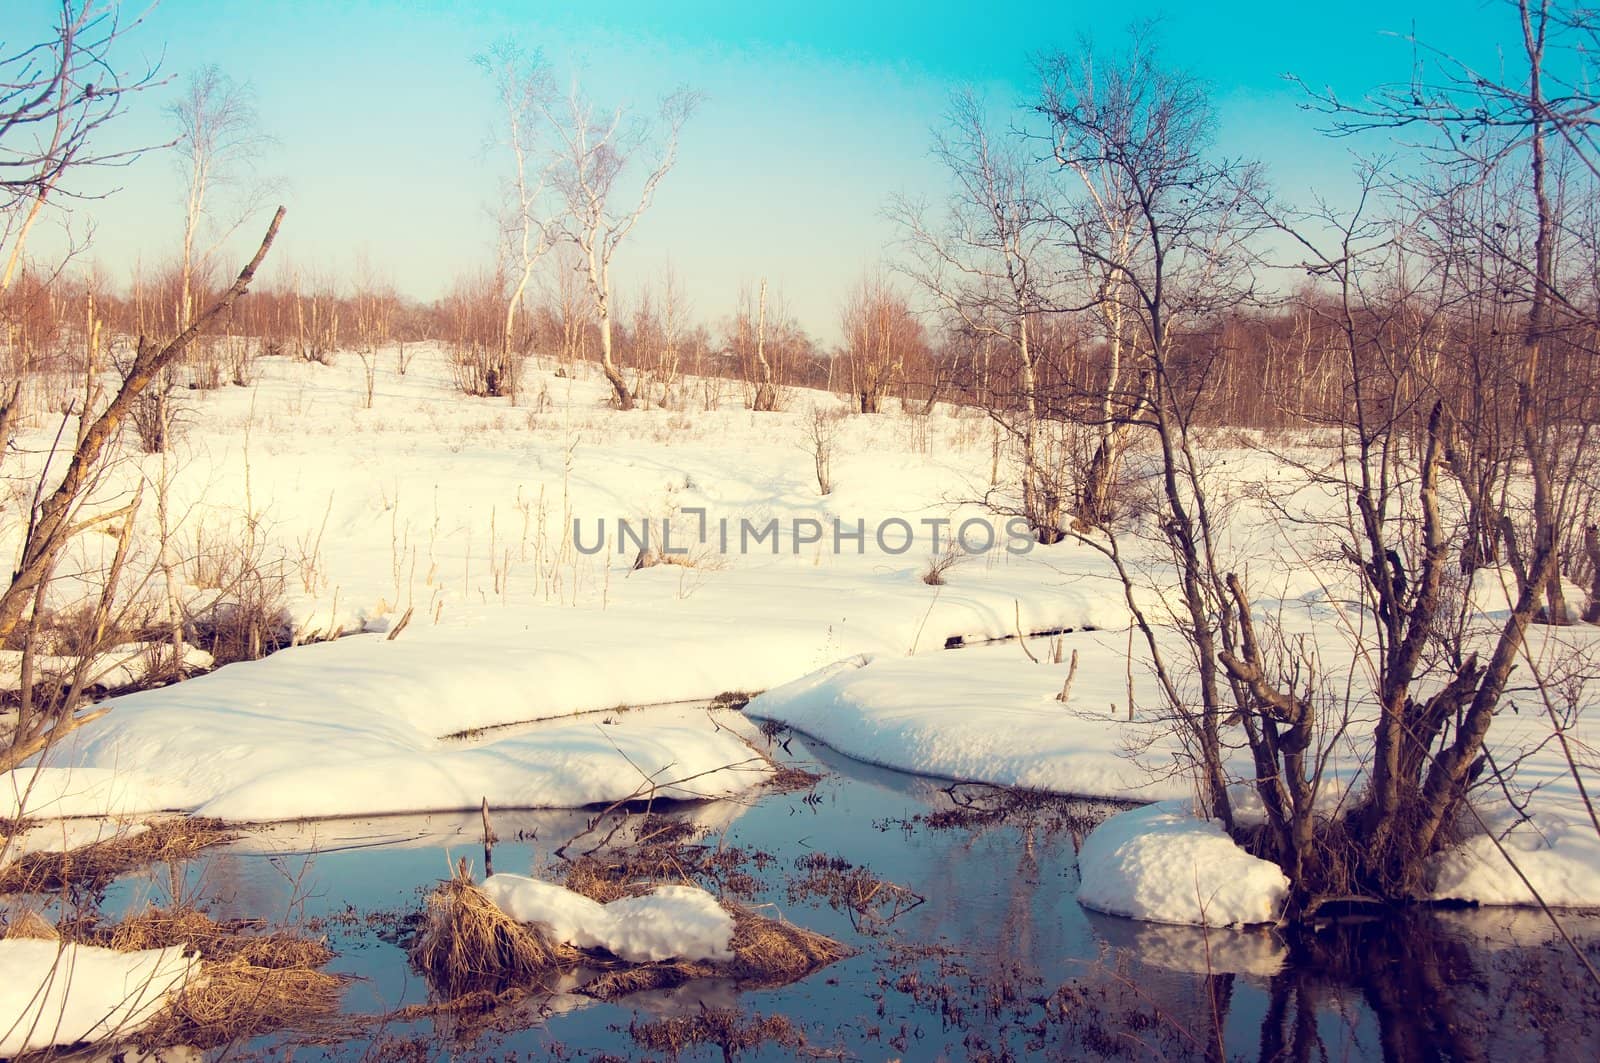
822	427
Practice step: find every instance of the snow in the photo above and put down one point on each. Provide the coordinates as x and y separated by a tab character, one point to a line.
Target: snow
247	760
672	922
1559	857
54	994
510	623
461	513
984	714
1164	864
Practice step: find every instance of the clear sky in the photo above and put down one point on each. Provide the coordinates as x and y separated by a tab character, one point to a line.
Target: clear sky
815	114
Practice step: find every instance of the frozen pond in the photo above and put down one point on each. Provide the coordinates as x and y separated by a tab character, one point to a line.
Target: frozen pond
998	961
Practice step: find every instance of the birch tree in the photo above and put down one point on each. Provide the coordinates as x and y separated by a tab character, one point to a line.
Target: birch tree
523	93
988	259
595	153
218	138
57	98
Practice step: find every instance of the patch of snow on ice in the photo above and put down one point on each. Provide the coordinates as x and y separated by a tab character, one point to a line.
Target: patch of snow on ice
1163	864
673	922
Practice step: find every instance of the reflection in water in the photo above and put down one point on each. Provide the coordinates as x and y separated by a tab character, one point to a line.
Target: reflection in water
999	963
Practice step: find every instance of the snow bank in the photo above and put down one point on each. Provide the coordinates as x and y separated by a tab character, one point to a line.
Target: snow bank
52	994
84	791
355	726
231	759
1561	858
1162	864
673	922
984	714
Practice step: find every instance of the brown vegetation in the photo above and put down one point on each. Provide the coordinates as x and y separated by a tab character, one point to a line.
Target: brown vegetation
469	946
91	868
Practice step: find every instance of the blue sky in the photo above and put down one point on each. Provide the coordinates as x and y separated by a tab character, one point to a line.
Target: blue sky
814	115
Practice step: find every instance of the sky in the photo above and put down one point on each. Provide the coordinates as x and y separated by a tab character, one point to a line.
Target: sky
814	115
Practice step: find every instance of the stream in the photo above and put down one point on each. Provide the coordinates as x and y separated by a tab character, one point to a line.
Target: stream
985	953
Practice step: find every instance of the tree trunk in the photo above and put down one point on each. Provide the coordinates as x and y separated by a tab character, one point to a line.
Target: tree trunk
618	385
1591	546
766	397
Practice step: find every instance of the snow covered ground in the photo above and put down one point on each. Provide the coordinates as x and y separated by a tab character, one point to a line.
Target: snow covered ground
54	994
461	514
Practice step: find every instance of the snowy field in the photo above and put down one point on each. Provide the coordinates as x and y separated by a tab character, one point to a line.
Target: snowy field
435	533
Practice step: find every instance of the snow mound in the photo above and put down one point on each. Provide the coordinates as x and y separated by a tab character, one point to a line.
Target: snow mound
1163	864
983	714
363	726
673	922
53	994
1560	858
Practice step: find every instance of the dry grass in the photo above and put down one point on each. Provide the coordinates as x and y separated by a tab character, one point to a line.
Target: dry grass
29	925
250	983
235	999
847	888
939	564
93	867
468	945
235	940
766	954
468	948
724	1028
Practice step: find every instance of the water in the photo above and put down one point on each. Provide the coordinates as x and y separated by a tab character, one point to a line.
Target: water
998	961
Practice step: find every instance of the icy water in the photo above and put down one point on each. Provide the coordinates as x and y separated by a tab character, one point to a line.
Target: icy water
998	961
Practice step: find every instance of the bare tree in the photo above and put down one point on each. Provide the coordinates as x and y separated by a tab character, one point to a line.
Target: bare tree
880	333
568	312
523	91
56	98
56	519
1430	750
674	328
219	137
1148	129
593	155
989	259
764	399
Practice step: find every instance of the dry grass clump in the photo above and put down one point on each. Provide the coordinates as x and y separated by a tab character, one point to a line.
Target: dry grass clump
979	806
664	850
598	880
847	888
229	941
93	867
726	1028
235	999
29	925
468	944
249	984
469	948
766	954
